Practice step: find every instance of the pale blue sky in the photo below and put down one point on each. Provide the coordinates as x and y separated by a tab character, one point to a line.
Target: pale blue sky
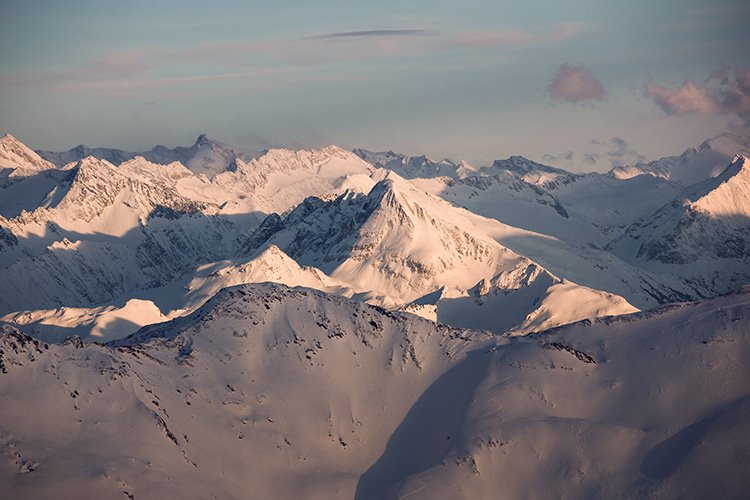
467	80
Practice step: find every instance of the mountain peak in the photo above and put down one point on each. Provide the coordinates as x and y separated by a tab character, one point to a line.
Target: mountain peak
694	165
727	143
8	138
15	154
728	195
204	140
89	162
391	191
409	167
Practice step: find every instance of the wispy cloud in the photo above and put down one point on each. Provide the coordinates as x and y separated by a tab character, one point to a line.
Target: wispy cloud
374	44
724	92
116	65
148	67
372	34
575	84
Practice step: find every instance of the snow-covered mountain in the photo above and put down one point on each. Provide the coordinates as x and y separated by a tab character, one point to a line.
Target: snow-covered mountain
17	161
462	332
281	178
206	156
651	405
95	235
587	209
96	232
284	392
396	241
694	165
518	302
270	391
704	235
106	234
531	172
414	167
398	246
103	232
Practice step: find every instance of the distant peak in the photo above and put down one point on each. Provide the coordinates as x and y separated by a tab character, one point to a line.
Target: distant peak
390	190
204	140
233	166
9	139
92	162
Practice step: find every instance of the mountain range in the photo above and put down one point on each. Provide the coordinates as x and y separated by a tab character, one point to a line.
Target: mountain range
355	324
206	156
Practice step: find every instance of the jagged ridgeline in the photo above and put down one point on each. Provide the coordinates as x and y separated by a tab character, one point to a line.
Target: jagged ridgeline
297	393
213	320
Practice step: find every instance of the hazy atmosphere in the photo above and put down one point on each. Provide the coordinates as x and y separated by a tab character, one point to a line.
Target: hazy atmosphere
474	80
346	250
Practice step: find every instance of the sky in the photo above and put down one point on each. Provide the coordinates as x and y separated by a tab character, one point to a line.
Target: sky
580	84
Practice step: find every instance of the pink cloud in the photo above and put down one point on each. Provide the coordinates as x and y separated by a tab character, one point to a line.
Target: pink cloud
575	84
742	75
689	98
721	94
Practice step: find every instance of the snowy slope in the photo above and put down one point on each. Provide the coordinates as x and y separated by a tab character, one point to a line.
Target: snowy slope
265	392
518	305
695	164
29	192
271	264
96	232
572	247
396	241
98	324
281	178
17	160
653	405
105	232
398	246
703	236
268	391
579	209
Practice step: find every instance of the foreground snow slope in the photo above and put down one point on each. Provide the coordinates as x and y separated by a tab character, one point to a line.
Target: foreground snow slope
265	392
648	405
268	391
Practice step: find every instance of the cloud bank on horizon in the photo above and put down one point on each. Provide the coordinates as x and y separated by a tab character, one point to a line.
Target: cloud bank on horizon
476	82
